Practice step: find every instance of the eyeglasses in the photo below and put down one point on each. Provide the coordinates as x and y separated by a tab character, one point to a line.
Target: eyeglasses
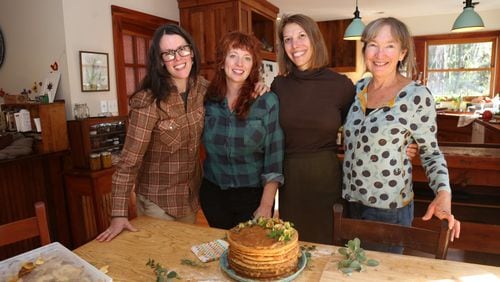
182	51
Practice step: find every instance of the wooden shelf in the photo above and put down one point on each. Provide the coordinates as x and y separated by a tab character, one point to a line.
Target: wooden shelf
54	135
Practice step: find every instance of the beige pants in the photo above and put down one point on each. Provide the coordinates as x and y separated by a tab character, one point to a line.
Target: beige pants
146	207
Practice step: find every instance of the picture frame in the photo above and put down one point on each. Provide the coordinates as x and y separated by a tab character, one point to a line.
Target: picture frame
94	71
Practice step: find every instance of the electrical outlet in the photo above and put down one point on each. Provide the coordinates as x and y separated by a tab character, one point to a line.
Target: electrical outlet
112	106
104	106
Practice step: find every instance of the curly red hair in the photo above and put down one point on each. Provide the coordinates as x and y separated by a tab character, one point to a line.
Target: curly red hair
217	88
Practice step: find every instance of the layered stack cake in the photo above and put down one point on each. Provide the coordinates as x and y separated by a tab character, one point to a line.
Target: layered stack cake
264	248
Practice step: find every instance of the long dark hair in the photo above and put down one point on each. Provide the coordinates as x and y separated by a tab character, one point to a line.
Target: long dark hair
157	79
217	89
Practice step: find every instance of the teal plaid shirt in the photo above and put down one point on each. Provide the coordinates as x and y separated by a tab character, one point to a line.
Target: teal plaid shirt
243	153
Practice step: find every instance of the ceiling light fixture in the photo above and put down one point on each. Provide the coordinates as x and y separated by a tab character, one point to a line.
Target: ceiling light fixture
468	20
355	28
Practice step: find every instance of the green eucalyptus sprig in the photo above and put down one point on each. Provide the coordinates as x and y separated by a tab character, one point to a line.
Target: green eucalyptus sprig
355	258
192	263
307	251
162	274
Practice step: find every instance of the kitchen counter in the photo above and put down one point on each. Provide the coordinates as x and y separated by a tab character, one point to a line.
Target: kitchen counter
168	242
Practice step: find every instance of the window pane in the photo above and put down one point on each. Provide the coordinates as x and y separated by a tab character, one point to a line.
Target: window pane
455	56
128	49
463	83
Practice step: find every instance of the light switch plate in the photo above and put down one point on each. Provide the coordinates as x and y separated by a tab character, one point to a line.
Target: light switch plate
112	106
104	106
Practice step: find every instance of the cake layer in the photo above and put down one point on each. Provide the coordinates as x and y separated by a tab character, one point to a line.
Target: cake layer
254	253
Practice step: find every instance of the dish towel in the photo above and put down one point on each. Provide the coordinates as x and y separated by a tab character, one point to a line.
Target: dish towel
210	251
465	120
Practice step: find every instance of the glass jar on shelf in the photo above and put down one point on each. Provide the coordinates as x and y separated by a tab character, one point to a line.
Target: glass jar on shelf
81	111
106	160
95	162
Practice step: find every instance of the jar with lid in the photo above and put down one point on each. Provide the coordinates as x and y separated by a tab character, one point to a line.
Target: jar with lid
95	162
106	160
81	111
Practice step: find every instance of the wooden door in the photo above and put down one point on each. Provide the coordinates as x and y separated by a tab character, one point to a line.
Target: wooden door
132	34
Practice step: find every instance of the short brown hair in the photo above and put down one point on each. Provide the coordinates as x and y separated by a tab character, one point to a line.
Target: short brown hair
401	33
319	52
217	89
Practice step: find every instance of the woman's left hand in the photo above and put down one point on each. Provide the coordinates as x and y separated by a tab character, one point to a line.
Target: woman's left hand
441	208
260	89
264	211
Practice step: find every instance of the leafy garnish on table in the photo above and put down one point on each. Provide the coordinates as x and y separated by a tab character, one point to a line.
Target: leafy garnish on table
162	274
307	250
193	263
355	258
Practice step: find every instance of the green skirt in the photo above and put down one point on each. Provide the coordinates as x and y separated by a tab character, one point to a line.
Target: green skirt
312	186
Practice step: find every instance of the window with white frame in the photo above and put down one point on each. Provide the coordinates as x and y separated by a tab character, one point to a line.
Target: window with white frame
460	67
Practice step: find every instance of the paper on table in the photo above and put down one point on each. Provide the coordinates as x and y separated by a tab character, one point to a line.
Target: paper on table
210	251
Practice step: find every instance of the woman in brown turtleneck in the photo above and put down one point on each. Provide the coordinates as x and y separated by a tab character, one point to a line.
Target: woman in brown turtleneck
314	101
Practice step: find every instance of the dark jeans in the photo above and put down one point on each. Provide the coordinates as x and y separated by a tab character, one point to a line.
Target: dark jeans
401	216
226	208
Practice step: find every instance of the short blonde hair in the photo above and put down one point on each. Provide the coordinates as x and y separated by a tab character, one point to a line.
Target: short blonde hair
401	33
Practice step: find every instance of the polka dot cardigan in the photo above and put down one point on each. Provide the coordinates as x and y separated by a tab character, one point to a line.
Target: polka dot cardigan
377	171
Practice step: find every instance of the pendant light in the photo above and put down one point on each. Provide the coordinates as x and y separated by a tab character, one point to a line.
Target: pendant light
355	28
468	20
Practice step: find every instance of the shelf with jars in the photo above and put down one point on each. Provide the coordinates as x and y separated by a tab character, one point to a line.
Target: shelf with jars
97	135
95	147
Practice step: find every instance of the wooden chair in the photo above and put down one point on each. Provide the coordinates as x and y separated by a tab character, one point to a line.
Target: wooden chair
425	240
23	229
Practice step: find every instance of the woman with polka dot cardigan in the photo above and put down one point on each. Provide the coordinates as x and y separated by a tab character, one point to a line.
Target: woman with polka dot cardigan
388	113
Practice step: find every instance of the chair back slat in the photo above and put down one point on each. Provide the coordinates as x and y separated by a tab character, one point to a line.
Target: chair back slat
425	240
27	228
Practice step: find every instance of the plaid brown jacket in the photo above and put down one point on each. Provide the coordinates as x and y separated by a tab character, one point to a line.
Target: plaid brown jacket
161	153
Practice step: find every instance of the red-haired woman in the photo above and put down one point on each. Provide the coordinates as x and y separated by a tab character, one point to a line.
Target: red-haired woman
242	137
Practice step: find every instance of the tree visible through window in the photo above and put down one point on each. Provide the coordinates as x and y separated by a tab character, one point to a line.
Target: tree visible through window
460	69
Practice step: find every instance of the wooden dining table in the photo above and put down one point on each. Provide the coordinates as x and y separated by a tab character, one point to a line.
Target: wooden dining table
168	243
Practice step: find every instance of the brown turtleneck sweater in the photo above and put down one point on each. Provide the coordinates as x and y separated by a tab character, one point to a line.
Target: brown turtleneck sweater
313	105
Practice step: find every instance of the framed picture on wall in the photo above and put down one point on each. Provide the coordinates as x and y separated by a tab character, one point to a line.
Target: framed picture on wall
94	71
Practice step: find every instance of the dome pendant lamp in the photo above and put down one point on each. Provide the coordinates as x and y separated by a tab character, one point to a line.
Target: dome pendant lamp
468	20
355	28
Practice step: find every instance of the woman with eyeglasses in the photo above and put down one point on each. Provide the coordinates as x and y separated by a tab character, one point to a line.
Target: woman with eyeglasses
160	157
161	154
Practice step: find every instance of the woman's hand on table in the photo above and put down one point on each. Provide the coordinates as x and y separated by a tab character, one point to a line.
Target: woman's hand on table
116	227
441	208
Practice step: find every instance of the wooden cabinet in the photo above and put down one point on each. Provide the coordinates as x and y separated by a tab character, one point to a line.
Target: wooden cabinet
207	21
54	135
26	180
89	203
95	135
342	52
474	174
448	131
88	196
